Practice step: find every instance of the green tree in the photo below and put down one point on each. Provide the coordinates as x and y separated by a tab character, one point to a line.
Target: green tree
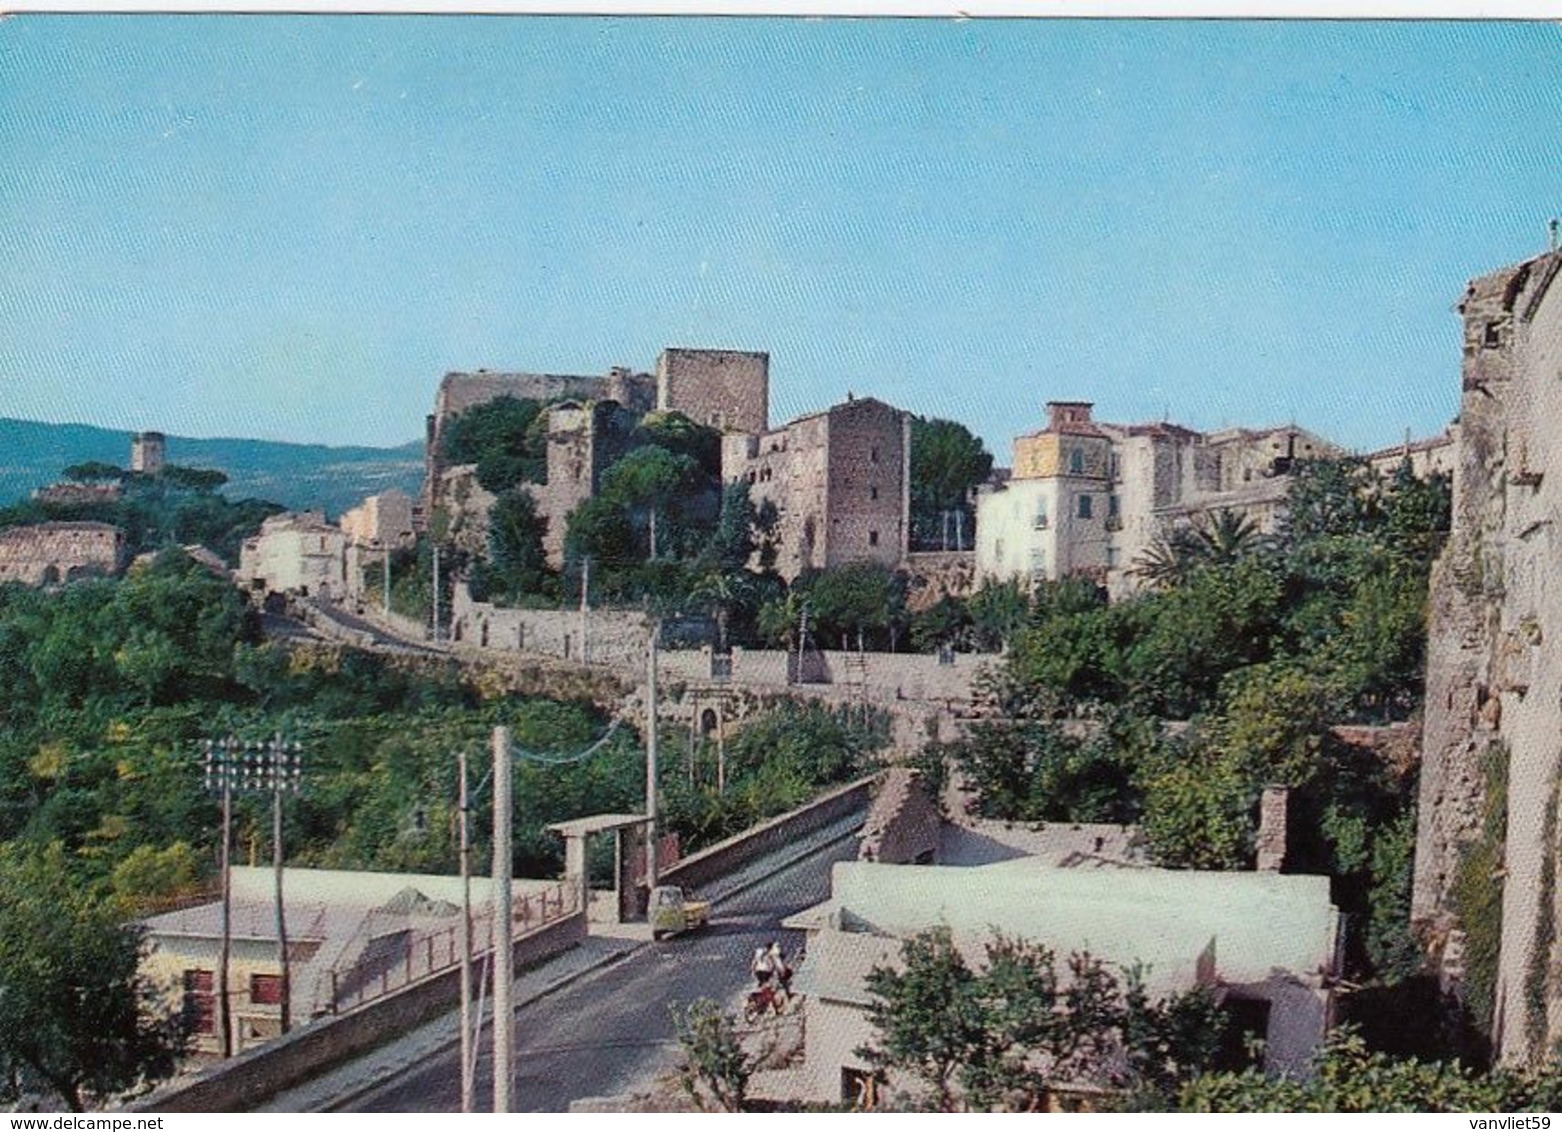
193	479
1350	1077
517	563
715	1069
850	603
94	471
927	1014
80	1020
947	463
645	481
999	611
505	438
1003	1036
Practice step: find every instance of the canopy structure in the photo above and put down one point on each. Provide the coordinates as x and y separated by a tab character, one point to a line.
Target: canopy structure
628	832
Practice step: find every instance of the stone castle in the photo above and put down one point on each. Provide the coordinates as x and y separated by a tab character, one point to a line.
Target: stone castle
838	479
1492	760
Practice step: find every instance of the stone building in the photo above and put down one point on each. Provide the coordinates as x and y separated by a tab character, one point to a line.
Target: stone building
148	453
380	520
584	438
48	554
589	425
1492	764
1434	456
725	389
839	481
1089	498
296	552
68	494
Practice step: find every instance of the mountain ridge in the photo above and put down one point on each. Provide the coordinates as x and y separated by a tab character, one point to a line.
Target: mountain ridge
297	476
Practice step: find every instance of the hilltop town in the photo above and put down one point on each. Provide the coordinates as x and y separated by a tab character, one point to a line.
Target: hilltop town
1234	726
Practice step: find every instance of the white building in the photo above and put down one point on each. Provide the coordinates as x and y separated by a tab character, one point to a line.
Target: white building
1089	498
296	552
1267	941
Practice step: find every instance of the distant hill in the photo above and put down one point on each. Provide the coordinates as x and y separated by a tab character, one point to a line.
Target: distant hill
298	476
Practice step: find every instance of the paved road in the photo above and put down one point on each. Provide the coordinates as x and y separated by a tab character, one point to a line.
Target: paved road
612	1029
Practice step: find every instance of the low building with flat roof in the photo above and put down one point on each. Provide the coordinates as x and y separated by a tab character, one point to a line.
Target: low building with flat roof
1265	943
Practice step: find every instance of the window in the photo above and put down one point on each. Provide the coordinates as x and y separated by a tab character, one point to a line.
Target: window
1084	506
1041	515
200	1004
1114	465
1076	462
873	493
1113	508
873	454
873	538
265	990
1493	335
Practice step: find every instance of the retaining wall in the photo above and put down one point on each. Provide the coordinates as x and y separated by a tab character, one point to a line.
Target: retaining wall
727	856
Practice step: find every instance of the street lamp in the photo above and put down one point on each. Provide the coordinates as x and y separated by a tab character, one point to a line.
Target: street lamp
273	767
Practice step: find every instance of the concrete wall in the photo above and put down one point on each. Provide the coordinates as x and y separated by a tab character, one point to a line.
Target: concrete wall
887	677
253	1077
727	856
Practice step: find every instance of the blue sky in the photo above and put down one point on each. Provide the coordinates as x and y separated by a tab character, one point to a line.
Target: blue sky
290	227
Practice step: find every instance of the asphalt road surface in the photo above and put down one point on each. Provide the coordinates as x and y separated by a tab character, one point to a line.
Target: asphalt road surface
612	1029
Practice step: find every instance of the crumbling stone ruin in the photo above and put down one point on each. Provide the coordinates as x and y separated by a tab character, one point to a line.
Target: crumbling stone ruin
589	425
1488	834
48	554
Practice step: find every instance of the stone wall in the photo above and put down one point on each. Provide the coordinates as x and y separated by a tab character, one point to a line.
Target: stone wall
867	470
934	575
1492	689
903	826
44	554
726	389
605	636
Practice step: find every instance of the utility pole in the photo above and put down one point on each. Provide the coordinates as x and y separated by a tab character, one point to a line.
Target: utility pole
284	772
721	746
802	636
504	956
217	760
585	608
650	756
466	945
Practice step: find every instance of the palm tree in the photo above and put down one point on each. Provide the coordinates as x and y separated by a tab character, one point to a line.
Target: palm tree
1219	540
722	590
1228	536
1169	560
